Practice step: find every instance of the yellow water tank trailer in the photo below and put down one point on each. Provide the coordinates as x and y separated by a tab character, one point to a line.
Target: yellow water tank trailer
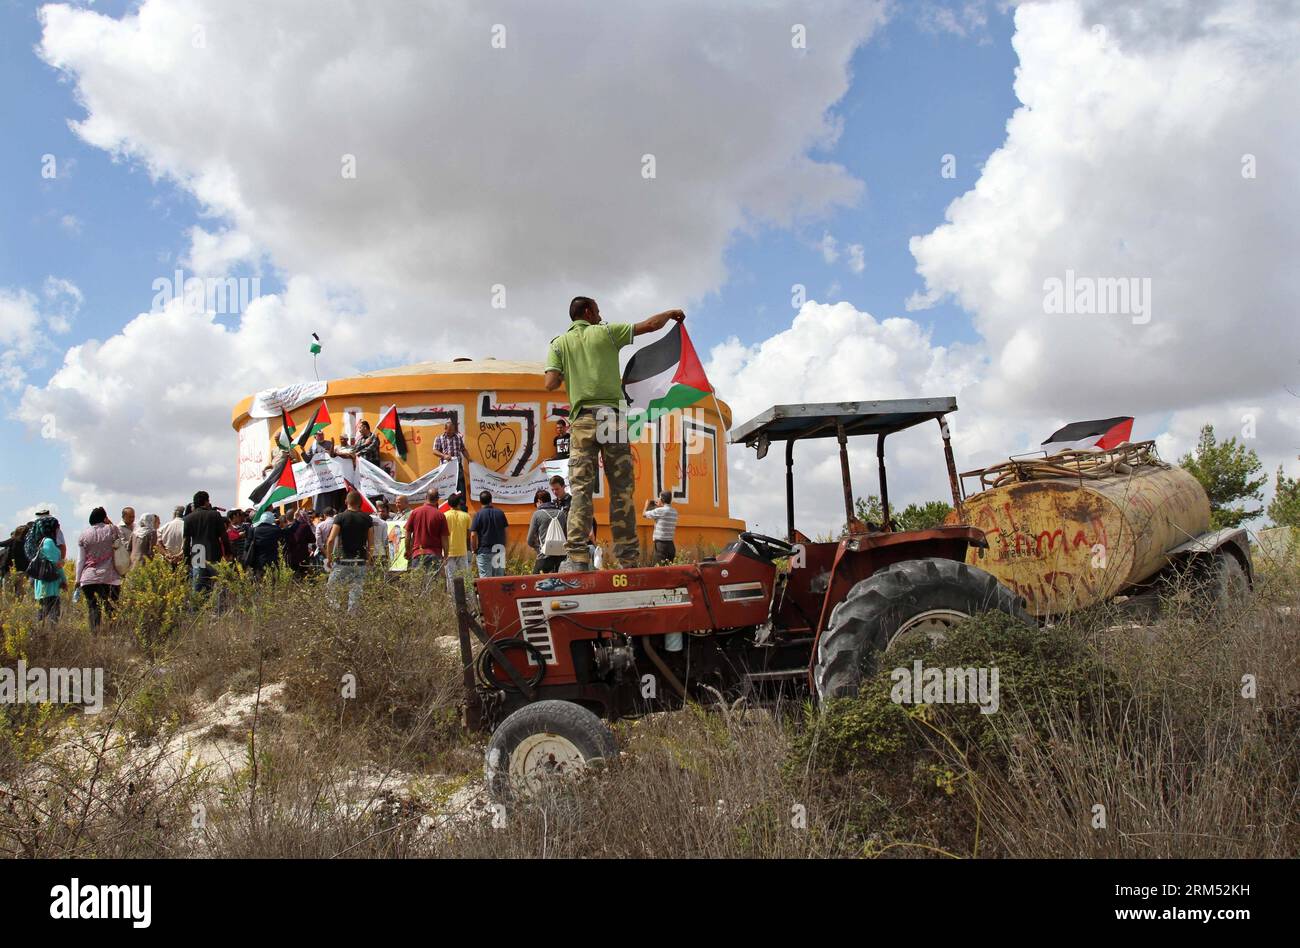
1067	538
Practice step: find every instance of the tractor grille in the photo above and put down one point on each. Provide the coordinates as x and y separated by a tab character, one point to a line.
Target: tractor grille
536	629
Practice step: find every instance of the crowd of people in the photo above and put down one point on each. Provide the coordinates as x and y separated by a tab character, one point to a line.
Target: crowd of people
395	538
399	536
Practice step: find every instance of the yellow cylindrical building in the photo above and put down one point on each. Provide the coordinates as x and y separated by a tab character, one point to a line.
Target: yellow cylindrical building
509	423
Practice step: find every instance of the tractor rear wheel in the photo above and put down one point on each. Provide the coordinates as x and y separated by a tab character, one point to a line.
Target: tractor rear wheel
543	741
904	601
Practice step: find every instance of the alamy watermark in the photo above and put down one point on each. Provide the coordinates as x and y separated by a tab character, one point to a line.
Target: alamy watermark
1098	296
921	685
36	685
689	425
83	900
225	296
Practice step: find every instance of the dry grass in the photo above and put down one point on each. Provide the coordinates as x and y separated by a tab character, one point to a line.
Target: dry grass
1149	723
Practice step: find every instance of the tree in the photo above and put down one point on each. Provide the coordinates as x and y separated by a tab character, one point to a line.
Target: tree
1226	470
868	509
912	517
1284	508
924	516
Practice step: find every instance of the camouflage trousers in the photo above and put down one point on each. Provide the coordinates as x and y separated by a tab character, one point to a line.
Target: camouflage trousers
588	442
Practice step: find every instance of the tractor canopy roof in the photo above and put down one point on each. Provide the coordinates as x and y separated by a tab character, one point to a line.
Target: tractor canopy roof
825	419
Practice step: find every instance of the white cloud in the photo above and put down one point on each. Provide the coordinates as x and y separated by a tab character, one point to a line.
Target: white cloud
478	166
26	323
474	166
1125	160
19	318
857	257
968	18
146	413
830	248
833	352
213	254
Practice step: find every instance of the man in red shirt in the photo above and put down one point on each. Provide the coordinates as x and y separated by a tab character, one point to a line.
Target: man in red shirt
426	534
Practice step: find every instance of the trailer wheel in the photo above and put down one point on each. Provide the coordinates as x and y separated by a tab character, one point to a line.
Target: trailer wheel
905	601
543	741
1226	583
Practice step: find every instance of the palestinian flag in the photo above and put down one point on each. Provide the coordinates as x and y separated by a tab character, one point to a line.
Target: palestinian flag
285	438
278	487
391	428
1090	435
661	377
366	505
319	421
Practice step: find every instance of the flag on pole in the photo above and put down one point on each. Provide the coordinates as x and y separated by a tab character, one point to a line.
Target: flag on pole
663	376
1100	435
319	421
285	438
390	426
366	505
279	486
315	344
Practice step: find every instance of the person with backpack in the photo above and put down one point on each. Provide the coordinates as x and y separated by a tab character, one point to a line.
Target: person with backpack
50	527
548	532
97	577
46	570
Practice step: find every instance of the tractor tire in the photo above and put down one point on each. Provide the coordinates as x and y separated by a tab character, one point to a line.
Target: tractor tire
542	741
914	597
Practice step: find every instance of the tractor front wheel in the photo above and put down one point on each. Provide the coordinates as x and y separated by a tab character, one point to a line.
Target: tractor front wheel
541	742
907	600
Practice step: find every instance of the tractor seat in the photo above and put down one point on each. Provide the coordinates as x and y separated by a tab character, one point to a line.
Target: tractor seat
759	547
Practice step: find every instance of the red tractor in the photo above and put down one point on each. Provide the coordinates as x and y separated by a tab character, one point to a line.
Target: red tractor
765	619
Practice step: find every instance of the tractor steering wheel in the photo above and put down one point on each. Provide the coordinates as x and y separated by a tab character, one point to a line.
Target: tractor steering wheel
767	547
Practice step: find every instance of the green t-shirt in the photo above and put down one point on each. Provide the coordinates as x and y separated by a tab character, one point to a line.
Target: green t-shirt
587	357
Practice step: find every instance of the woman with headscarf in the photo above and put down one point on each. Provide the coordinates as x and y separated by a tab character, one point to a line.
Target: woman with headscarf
98	578
144	539
49	592
299	537
265	540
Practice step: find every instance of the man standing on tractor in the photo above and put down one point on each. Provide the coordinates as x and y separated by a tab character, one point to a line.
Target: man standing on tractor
585	361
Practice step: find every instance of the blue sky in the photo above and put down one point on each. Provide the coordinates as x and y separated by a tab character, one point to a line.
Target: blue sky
917	93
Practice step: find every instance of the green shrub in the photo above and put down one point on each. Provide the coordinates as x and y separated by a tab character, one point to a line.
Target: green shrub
153	602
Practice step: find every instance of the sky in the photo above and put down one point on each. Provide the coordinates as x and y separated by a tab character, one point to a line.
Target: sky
850	200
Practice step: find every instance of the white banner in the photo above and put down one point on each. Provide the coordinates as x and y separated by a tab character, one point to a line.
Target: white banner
321	475
514	490
254	456
268	402
375	480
